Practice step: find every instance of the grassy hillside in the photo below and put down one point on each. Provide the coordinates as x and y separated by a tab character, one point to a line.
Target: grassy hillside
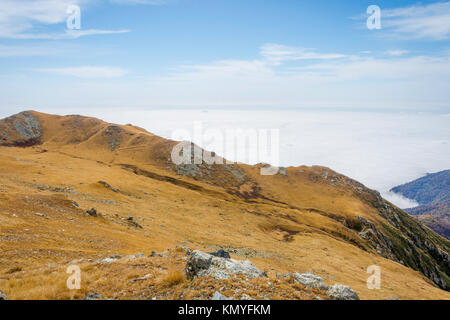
53	169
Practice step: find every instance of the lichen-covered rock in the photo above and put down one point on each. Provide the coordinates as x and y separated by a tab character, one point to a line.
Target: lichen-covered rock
22	129
201	264
3	296
221	254
113	135
341	292
310	280
219	296
94	296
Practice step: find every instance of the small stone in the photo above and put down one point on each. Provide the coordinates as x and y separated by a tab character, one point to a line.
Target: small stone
94	296
92	212
221	254
77	261
142	278
219	296
341	292
3	296
246	297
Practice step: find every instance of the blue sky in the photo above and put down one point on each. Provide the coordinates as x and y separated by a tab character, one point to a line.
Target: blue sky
225	53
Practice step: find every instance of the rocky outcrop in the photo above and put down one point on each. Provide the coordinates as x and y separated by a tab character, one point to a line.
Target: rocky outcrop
402	239
411	243
341	292
3	296
113	135
20	130
310	280
201	264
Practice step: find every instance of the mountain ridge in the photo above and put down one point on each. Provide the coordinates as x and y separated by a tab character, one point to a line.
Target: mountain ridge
308	203
432	192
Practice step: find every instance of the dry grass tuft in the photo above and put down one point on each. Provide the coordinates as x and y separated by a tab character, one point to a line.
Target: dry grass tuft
14	270
173	278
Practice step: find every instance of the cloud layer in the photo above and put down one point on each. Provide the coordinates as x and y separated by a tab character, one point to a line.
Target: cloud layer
88	71
18	19
381	150
430	21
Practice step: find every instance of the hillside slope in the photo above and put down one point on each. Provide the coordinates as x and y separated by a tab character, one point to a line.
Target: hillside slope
432	192
53	169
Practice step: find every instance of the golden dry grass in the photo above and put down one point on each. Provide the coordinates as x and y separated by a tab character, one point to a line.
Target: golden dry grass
41	231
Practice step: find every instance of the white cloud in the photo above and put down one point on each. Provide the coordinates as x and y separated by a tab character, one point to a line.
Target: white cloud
18	19
362	82
277	53
88	71
150	2
381	150
418	22
397	52
400	200
319	68
15	51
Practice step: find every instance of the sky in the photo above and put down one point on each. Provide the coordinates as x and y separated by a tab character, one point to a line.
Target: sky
373	104
225	54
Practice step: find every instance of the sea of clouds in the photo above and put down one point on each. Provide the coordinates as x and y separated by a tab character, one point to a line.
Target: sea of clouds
381	150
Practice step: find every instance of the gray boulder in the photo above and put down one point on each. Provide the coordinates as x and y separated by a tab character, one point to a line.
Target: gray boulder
218	296
201	264
3	296
310	280
221	254
94	296
341	292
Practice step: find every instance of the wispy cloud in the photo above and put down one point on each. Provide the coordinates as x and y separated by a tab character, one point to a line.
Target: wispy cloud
396	53
18	19
277	53
271	56
88	71
322	79
16	51
149	2
325	66
418	22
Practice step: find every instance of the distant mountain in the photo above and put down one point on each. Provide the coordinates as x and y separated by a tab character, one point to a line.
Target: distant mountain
432	192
